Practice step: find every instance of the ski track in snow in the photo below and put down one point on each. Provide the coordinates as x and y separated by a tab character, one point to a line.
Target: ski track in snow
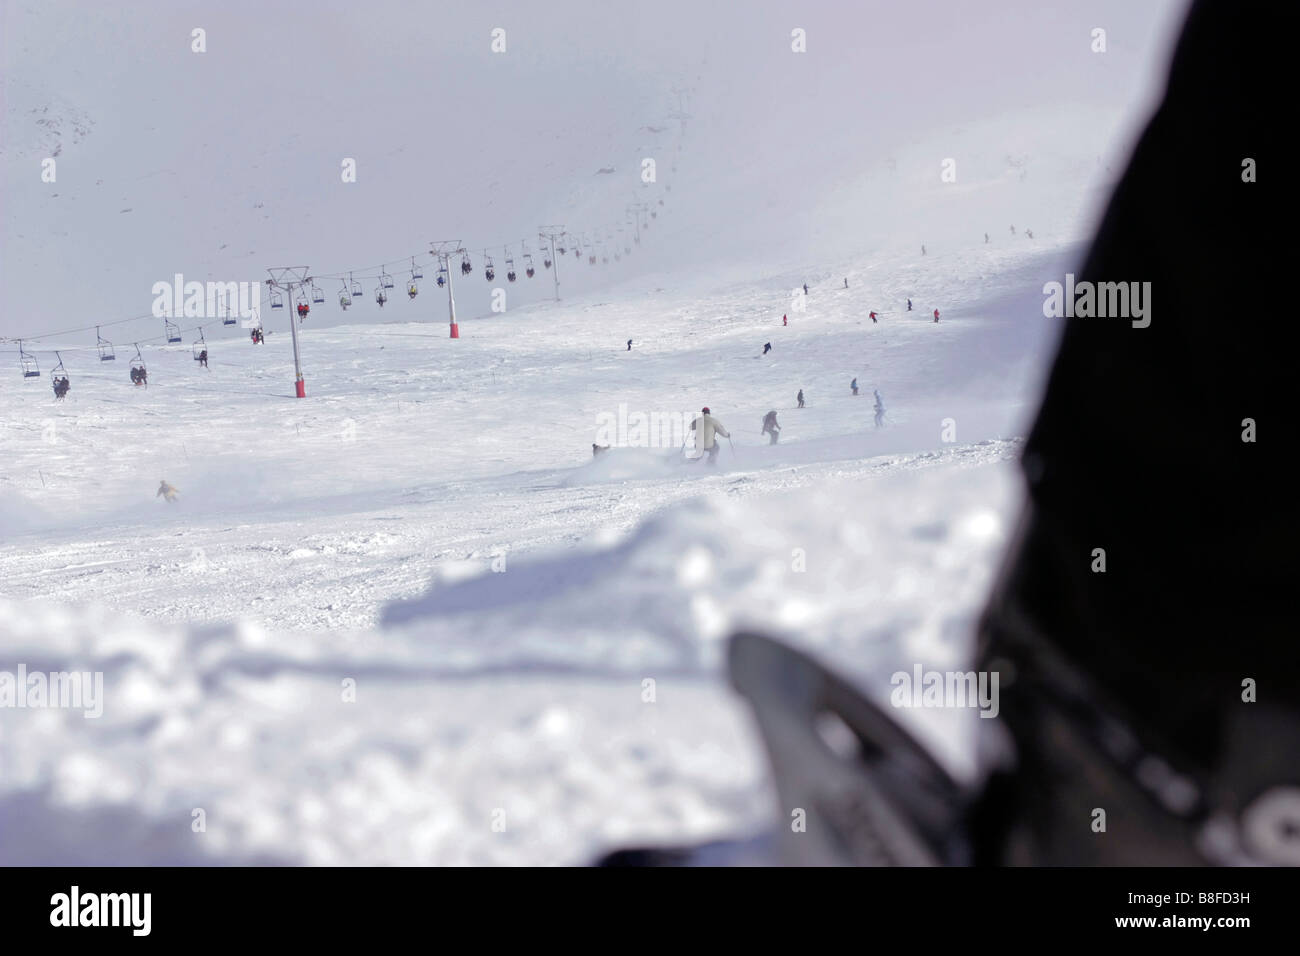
352	535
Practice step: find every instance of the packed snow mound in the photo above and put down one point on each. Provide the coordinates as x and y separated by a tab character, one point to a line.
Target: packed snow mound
496	691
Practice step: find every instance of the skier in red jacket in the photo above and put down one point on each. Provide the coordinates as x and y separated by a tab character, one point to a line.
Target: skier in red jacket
936	315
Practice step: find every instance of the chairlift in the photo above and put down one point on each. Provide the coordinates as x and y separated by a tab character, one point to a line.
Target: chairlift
173	331
59	378
105	347
412	289
139	373
510	266
385	279
200	348
228	319
489	270
277	300
380	296
357	291
303	307
465	266
345	298
546	261
317	294
416	271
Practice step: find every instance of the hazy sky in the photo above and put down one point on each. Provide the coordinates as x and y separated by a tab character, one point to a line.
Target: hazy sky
220	164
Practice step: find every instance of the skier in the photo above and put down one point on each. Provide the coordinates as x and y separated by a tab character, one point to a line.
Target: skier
854	385
785	320
770	426
706	428
986	238
846	282
909	305
880	408
203	359
805	288
923	250
1029	233
936	315
1013	230
800	398
629	345
872	316
167	492
767	347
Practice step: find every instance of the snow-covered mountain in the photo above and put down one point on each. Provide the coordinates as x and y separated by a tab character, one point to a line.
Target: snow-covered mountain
378	616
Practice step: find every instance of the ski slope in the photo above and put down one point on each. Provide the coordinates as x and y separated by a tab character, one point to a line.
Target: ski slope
353	536
410	619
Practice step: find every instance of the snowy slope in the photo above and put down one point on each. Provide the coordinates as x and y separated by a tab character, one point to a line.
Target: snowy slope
354	536
430	522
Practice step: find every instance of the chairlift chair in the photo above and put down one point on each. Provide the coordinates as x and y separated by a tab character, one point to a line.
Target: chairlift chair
357	291
385	279
303	308
173	331
199	348
277	300
345	298
465	266
416	271
412	289
139	373
489	270
59	378
510	266
317	294
105	347
380	296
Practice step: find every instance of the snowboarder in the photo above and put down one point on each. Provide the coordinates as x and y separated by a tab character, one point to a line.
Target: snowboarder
880	408
770	426
872	316
629	345
785	320
936	315
167	492
909	305
767	347
854	385
800	398
706	428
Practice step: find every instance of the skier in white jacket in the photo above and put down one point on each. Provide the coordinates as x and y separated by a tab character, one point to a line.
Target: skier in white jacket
705	428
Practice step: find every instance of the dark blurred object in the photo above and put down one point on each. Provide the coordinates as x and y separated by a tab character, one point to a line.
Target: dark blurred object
1129	683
